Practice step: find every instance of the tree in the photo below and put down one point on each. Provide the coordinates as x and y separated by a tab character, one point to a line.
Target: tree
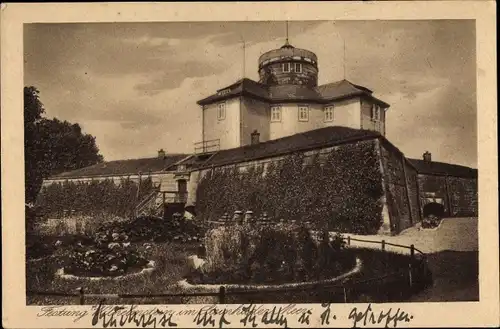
52	146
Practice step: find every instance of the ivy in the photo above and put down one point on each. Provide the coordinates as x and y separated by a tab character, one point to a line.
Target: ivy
340	191
93	198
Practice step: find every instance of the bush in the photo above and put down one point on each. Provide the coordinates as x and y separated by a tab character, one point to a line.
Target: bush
156	229
340	190
270	254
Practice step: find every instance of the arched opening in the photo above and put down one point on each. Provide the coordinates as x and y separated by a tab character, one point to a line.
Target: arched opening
433	208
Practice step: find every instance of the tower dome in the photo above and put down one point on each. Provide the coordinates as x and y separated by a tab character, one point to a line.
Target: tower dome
288	65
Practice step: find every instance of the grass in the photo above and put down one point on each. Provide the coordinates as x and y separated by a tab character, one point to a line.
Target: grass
455	277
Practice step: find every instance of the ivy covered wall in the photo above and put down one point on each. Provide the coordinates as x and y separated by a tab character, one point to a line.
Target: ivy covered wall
340	188
93	198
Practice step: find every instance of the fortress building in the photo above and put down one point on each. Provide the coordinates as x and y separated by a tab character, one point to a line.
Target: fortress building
286	100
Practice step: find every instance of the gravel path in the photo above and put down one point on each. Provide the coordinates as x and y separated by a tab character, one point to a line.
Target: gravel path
454	234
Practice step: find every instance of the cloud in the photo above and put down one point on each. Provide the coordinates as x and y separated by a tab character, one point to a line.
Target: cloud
175	75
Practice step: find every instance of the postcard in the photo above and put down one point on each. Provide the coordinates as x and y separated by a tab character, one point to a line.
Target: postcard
248	165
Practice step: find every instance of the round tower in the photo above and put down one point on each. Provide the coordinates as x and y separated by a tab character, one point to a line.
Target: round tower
289	66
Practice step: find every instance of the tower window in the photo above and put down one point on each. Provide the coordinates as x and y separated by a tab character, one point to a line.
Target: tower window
298	67
221	111
303	113
275	113
375	112
285	67
328	111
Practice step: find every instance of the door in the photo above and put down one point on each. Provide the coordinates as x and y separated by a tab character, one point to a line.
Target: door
182	189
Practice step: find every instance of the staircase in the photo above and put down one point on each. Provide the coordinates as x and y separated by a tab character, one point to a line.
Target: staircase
151	205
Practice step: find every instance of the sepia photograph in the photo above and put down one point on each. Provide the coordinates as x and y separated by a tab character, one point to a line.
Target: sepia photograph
249	165
254	160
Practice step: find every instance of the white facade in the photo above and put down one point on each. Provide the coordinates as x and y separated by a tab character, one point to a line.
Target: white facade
243	115
221	121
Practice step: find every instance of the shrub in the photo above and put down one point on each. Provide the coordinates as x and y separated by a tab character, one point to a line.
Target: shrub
156	229
270	254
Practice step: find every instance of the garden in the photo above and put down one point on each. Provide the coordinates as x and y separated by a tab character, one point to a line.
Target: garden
237	255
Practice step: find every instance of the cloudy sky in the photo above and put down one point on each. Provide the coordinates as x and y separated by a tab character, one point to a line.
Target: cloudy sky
134	86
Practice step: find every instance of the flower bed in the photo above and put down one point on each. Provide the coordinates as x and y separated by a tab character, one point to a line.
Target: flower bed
110	255
270	255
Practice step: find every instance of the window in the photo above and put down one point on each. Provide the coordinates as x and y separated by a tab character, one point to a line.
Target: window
375	113
275	113
285	67
224	92
221	111
328	111
303	113
298	67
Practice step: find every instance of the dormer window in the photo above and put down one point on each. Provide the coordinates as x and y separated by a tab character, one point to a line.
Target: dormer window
328	113
221	111
285	67
224	92
275	113
298	67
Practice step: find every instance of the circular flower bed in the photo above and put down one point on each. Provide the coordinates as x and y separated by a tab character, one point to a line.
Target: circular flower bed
110	255
270	255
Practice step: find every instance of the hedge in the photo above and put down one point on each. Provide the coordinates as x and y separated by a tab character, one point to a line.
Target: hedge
93	198
340	190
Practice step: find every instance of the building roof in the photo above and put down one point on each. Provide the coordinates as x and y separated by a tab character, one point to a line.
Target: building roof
317	138
342	89
441	168
124	167
286	93
241	87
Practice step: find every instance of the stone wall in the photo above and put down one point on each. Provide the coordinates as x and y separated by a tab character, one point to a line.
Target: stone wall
463	196
459	195
395	188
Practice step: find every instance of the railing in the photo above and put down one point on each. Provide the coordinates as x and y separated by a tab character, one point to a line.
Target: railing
207	146
175	197
146	202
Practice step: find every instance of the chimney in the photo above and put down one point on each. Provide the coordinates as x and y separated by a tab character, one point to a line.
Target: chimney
427	156
161	154
255	137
